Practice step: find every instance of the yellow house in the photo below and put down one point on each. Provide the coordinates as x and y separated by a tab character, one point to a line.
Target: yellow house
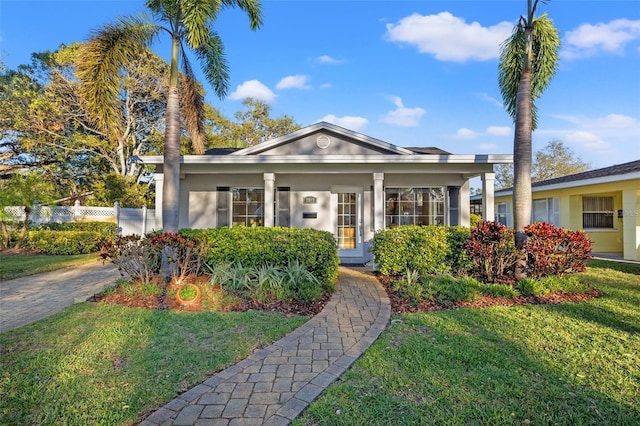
605	203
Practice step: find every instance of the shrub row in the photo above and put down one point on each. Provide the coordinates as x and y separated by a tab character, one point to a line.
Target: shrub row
65	242
425	249
278	247
106	229
487	252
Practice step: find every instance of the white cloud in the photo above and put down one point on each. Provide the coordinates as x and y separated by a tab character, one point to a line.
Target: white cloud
611	37
465	133
491	99
402	116
326	86
294	82
326	59
499	131
450	38
348	122
586	140
253	89
612	121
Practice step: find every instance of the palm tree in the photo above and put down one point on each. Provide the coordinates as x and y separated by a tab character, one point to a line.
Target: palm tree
528	62
189	24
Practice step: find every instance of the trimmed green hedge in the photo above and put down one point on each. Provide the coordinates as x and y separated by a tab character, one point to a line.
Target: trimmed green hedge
254	247
65	242
425	249
107	229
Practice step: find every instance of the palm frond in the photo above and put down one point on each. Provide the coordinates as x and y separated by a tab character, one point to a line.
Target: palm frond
193	106
546	44
197	16
510	67
214	64
100	64
253	9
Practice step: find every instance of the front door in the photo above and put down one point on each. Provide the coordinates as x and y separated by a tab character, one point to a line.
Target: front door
348	223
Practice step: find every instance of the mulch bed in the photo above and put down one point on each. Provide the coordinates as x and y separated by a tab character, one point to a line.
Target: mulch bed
165	302
401	306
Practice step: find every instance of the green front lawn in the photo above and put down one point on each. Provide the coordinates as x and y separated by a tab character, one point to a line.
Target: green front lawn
105	364
546	364
579	363
18	265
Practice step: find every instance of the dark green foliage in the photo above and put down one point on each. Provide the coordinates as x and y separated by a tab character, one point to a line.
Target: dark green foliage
421	248
457	259
549	284
107	229
279	247
65	242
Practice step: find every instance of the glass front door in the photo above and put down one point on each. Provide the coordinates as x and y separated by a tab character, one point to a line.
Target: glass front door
348	222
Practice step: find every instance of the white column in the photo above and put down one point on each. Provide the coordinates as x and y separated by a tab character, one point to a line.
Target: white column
269	182
378	201
159	179
630	224
464	205
488	203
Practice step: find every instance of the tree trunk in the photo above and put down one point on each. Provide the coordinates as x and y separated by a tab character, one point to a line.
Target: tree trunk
23	231
171	168
522	158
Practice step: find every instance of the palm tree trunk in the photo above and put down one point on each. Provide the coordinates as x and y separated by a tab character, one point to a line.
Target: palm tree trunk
522	158
171	170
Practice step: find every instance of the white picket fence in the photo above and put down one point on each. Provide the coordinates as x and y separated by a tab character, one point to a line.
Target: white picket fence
129	221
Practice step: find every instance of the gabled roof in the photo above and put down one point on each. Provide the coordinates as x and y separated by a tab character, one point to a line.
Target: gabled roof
320	126
429	150
617	172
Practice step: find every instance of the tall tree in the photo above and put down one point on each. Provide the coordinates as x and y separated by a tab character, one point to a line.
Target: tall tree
552	161
189	24
528	62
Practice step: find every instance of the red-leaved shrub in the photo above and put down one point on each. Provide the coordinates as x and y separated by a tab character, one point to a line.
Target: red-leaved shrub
492	251
555	251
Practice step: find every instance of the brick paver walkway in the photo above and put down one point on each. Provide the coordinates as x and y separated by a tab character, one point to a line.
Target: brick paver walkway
29	299
275	384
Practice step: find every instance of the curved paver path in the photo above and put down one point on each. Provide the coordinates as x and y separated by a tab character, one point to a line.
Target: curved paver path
29	299
276	383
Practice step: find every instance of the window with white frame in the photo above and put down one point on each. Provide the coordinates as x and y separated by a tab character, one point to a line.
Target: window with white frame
546	210
414	206
502	213
597	212
247	207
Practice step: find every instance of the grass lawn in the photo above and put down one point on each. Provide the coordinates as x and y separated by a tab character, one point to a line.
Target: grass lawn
105	364
18	265
570	364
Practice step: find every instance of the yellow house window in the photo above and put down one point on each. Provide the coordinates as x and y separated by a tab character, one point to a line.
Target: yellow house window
597	212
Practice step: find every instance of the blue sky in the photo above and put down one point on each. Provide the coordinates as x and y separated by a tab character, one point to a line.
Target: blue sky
412	73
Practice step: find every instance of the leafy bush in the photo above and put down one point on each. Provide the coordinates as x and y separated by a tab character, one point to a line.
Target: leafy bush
421	248
551	250
180	256
279	247
492	251
64	242
457	259
133	257
269	283
106	229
